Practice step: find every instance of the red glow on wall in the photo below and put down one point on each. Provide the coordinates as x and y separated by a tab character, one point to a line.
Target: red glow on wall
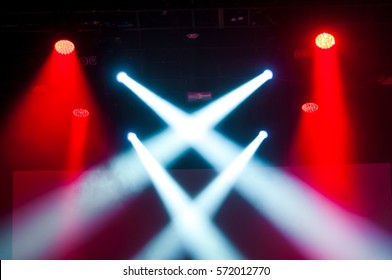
77	140
39	127
329	141
325	138
64	47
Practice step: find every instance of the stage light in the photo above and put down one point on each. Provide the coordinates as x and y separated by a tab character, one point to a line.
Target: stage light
131	136
212	197
81	113
207	202
310	107
268	74
121	77
275	185
325	41
263	134
266	188
196	231
176	118
64	47
192	128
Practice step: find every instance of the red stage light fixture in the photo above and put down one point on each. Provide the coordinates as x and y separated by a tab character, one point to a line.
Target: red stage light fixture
81	113
325	41
309	107
64	47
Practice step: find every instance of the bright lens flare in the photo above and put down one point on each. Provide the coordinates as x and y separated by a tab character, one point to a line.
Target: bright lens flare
64	47
325	41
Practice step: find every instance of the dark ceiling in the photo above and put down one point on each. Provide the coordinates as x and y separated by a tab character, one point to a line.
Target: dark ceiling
237	40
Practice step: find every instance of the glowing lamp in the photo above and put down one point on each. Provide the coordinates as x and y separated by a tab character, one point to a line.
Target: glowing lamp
263	134
131	136
81	113
64	47
121	77
309	107
325	41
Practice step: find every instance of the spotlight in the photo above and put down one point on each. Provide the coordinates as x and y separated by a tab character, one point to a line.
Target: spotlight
268	74
309	107
263	134
64	47
81	113
121	77
325	41
195	127
194	228
131	136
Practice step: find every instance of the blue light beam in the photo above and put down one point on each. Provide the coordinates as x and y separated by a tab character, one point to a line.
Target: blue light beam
167	246
201	238
212	148
193	127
